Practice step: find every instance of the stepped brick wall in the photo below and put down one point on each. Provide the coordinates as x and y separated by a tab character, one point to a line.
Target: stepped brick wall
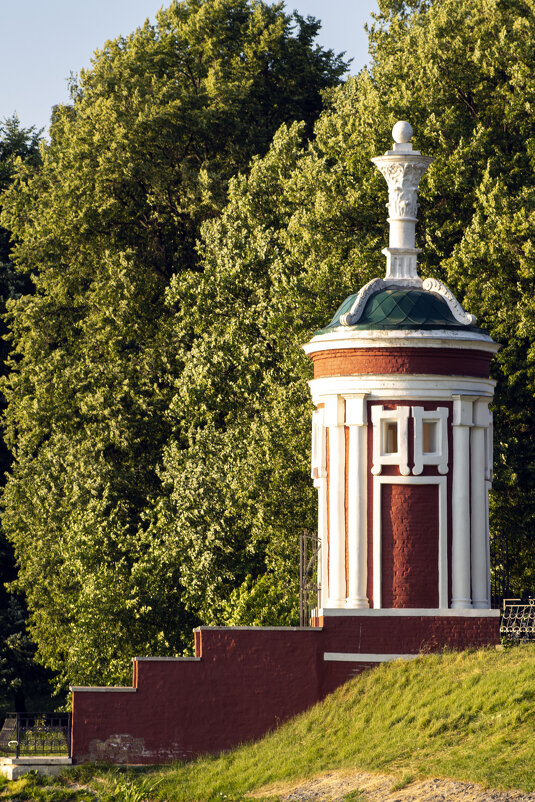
244	682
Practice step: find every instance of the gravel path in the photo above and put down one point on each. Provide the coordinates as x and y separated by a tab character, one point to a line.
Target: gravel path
335	786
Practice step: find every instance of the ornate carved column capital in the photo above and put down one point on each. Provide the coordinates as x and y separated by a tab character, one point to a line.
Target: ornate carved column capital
403	177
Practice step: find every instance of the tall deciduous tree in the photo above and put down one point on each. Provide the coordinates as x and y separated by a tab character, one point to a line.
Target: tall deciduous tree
304	230
18	674
160	413
107	227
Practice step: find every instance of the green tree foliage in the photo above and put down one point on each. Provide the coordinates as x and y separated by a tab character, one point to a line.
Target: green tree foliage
17	145
304	230
107	227
160	411
18	674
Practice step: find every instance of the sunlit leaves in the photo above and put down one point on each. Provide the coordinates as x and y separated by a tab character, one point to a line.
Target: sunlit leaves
107	227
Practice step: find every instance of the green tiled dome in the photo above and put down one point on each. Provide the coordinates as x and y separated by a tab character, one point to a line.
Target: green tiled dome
399	309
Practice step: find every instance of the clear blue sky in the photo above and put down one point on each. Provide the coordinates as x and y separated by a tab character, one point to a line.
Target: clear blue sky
43	41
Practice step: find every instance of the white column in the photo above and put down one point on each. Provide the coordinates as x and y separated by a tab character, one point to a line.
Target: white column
489	438
334	418
488	486
478	505
377	578
402	169
460	548
319	475
357	519
323	576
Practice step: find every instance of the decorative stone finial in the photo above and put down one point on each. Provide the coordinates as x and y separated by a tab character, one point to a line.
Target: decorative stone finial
402	132
402	168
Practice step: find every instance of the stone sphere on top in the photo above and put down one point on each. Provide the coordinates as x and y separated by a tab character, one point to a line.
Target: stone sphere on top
402	132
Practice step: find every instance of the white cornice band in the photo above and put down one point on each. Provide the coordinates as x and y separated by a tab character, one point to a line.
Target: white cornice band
398	387
401	338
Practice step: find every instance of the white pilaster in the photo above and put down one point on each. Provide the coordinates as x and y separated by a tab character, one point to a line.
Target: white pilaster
478	505
335	420
319	475
489	445
488	486
357	534
460	550
323	574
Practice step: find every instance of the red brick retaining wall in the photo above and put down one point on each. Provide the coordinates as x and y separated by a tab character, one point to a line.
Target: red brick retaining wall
407	634
246	682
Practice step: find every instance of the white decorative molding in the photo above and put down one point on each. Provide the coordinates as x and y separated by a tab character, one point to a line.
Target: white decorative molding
438	456
410	612
353	316
181	659
463	409
401	266
489	448
437	287
389	387
382	453
401	270
361	657
356	409
479	504
334	409
442	483
341	338
403	180
335	419
460	545
323	536
403	173
100	689
357	501
402	169
319	445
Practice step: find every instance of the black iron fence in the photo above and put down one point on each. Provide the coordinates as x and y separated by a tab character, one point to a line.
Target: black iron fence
501	563
26	734
309	584
518	620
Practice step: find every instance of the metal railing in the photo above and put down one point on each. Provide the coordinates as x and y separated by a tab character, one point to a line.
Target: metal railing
43	734
501	563
309	584
518	620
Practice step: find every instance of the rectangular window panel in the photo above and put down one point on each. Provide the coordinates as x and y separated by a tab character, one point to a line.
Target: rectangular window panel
430	437
390	437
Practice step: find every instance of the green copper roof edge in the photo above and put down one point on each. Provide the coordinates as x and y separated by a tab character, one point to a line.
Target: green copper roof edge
439	315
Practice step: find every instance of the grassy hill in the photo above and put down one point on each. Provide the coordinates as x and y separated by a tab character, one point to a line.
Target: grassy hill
468	715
